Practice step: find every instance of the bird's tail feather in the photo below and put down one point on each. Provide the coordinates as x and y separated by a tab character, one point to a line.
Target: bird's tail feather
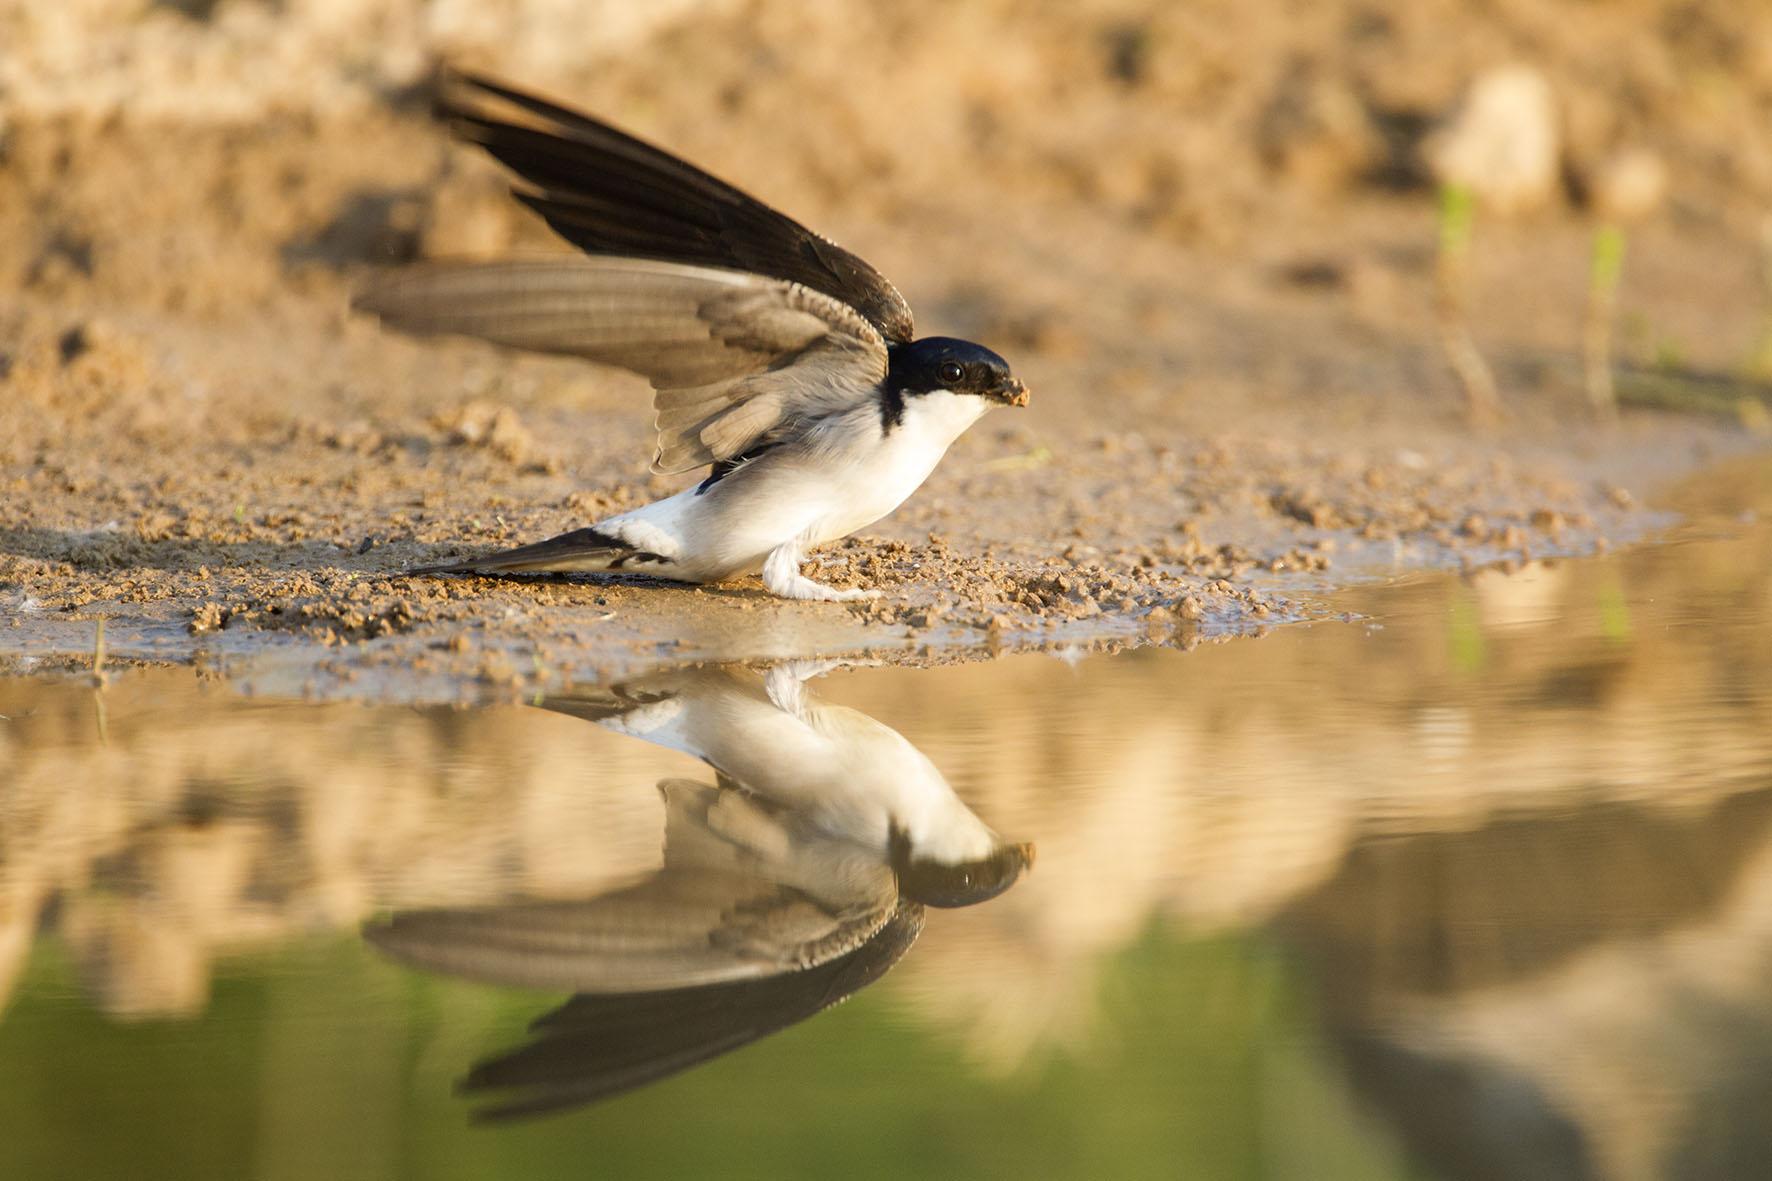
581	551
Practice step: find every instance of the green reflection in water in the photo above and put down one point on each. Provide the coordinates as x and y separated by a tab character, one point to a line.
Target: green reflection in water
1465	625
323	1061
1614	612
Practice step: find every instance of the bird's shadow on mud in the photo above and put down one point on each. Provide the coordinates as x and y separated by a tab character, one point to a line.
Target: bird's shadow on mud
113	551
743	588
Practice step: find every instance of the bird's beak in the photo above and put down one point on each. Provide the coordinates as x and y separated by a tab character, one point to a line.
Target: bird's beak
1015	393
1026	849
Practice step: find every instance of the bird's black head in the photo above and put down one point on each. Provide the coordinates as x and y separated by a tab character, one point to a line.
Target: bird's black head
964	883
959	366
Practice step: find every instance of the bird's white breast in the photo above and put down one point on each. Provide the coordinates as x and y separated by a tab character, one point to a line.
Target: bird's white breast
876	475
852	776
846	474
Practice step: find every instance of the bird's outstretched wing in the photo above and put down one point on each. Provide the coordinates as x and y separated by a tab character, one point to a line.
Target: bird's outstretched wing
738	360
597	1046
611	194
719	911
746	323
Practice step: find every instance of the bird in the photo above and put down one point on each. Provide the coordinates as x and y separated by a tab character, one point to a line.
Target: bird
752	924
799	876
784	365
846	775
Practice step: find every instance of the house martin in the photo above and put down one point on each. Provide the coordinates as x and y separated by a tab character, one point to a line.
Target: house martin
780	362
849	777
797	878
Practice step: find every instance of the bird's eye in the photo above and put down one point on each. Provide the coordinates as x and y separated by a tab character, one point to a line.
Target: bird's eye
950	373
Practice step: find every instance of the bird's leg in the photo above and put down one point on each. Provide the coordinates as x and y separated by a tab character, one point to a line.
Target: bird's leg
786	689
781	574
786	682
806	670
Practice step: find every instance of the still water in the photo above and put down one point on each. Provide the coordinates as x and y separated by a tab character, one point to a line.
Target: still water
1476	885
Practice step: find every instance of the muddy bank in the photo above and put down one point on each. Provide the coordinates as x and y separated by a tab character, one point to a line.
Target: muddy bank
1239	399
1126	542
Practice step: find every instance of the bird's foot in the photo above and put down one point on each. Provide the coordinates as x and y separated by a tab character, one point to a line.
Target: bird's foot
801	587
781	575
806	670
786	682
851	594
786	689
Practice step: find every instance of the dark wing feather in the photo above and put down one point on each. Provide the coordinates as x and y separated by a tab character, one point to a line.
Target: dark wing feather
609	193
597	1046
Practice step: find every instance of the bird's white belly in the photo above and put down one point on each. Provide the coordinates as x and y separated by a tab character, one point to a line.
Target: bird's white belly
809	495
877	479
865	491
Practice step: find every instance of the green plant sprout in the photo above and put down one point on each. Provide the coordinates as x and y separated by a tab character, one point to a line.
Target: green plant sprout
1451	280
1759	363
1628	186
1605	268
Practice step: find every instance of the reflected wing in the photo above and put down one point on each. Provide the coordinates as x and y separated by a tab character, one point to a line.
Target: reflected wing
599	703
739	898
595	1047
611	194
737	361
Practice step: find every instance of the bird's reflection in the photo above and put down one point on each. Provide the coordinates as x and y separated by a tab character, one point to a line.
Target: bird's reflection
799	876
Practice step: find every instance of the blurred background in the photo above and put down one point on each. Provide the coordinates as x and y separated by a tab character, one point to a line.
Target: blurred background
1237	203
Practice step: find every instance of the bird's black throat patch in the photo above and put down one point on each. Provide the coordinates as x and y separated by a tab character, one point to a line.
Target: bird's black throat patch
937	363
891	405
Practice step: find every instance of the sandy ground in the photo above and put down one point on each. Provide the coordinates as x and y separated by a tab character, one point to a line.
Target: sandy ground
1239	401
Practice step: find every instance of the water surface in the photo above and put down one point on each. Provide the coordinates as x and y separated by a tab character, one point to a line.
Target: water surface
1476	885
